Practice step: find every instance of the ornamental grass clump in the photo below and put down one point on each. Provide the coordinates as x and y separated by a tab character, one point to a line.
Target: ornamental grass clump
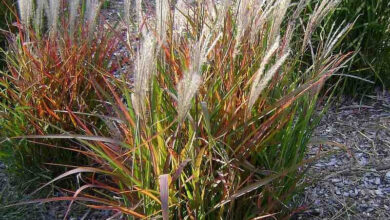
216	118
51	63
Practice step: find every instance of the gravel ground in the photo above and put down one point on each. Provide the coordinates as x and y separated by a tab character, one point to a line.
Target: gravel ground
354	182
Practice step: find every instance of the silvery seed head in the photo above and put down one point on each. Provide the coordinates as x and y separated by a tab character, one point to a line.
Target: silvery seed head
144	70
25	11
91	13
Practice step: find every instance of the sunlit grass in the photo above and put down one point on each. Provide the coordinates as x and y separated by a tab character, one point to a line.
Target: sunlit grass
49	71
212	122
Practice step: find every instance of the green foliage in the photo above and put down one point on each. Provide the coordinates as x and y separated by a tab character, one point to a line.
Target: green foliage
45	81
106	4
193	137
6	16
371	37
212	122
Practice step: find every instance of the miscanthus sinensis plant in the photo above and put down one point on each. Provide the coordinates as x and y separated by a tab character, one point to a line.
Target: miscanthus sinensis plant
215	116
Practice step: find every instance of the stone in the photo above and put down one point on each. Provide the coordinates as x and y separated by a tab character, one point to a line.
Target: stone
379	192
353	193
387	176
336	180
377	181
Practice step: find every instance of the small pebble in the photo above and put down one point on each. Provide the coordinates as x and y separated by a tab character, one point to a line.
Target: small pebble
353	193
336	180
388	176
378	192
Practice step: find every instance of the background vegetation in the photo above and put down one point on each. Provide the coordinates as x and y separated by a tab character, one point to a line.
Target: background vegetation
7	17
370	36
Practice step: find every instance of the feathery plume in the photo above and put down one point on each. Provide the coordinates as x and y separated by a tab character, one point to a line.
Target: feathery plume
278	17
40	7
292	23
143	73
52	13
263	9
320	11
138	7
180	21
187	89
128	5
140	17
332	40
25	11
200	50
261	82
222	9
243	20
257	89
192	79
92	10
127	10
211	9
162	17
73	12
